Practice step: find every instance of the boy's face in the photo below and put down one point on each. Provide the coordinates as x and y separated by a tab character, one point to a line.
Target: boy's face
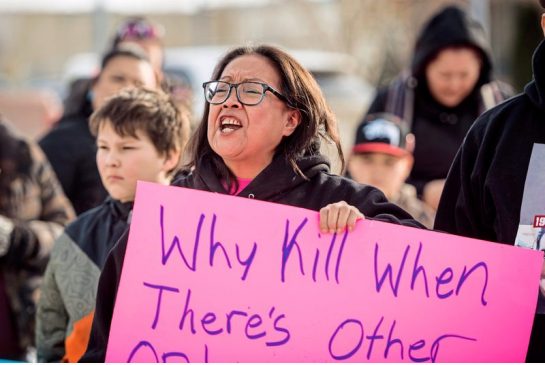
386	172
122	161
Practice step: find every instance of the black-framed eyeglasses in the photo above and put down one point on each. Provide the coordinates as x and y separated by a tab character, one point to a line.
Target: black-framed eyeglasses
248	92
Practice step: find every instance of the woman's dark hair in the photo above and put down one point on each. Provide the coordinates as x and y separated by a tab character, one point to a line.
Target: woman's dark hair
124	50
303	94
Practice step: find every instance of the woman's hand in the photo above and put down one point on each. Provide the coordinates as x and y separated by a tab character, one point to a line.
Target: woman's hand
337	216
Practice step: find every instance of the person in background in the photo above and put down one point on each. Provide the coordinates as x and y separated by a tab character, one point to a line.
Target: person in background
259	138
382	157
148	36
33	212
70	146
139	136
491	178
134	30
448	86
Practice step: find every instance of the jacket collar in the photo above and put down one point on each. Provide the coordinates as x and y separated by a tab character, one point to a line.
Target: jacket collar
275	179
118	209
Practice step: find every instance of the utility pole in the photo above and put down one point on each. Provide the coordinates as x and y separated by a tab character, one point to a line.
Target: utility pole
480	10
100	26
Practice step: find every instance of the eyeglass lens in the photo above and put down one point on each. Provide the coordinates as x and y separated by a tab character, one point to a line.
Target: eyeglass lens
248	93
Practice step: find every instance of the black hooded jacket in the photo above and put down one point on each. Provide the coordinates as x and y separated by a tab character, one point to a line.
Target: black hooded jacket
439	130
484	190
451	27
277	183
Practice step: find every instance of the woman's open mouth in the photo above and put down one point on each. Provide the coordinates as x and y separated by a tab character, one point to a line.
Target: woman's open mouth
229	125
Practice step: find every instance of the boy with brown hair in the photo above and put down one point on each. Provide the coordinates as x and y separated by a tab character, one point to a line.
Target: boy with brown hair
140	136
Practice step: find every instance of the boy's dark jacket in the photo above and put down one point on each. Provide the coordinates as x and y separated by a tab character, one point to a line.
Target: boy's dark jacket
483	193
70	282
277	183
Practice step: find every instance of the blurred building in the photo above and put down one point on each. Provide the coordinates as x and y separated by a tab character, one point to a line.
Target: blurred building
38	37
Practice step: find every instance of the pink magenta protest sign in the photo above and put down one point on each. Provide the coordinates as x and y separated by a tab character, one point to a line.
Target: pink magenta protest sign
214	278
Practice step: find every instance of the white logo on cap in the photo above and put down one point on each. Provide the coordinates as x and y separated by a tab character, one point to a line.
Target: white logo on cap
382	129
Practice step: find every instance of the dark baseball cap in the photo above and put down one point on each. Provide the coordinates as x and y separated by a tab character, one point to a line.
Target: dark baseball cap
383	133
